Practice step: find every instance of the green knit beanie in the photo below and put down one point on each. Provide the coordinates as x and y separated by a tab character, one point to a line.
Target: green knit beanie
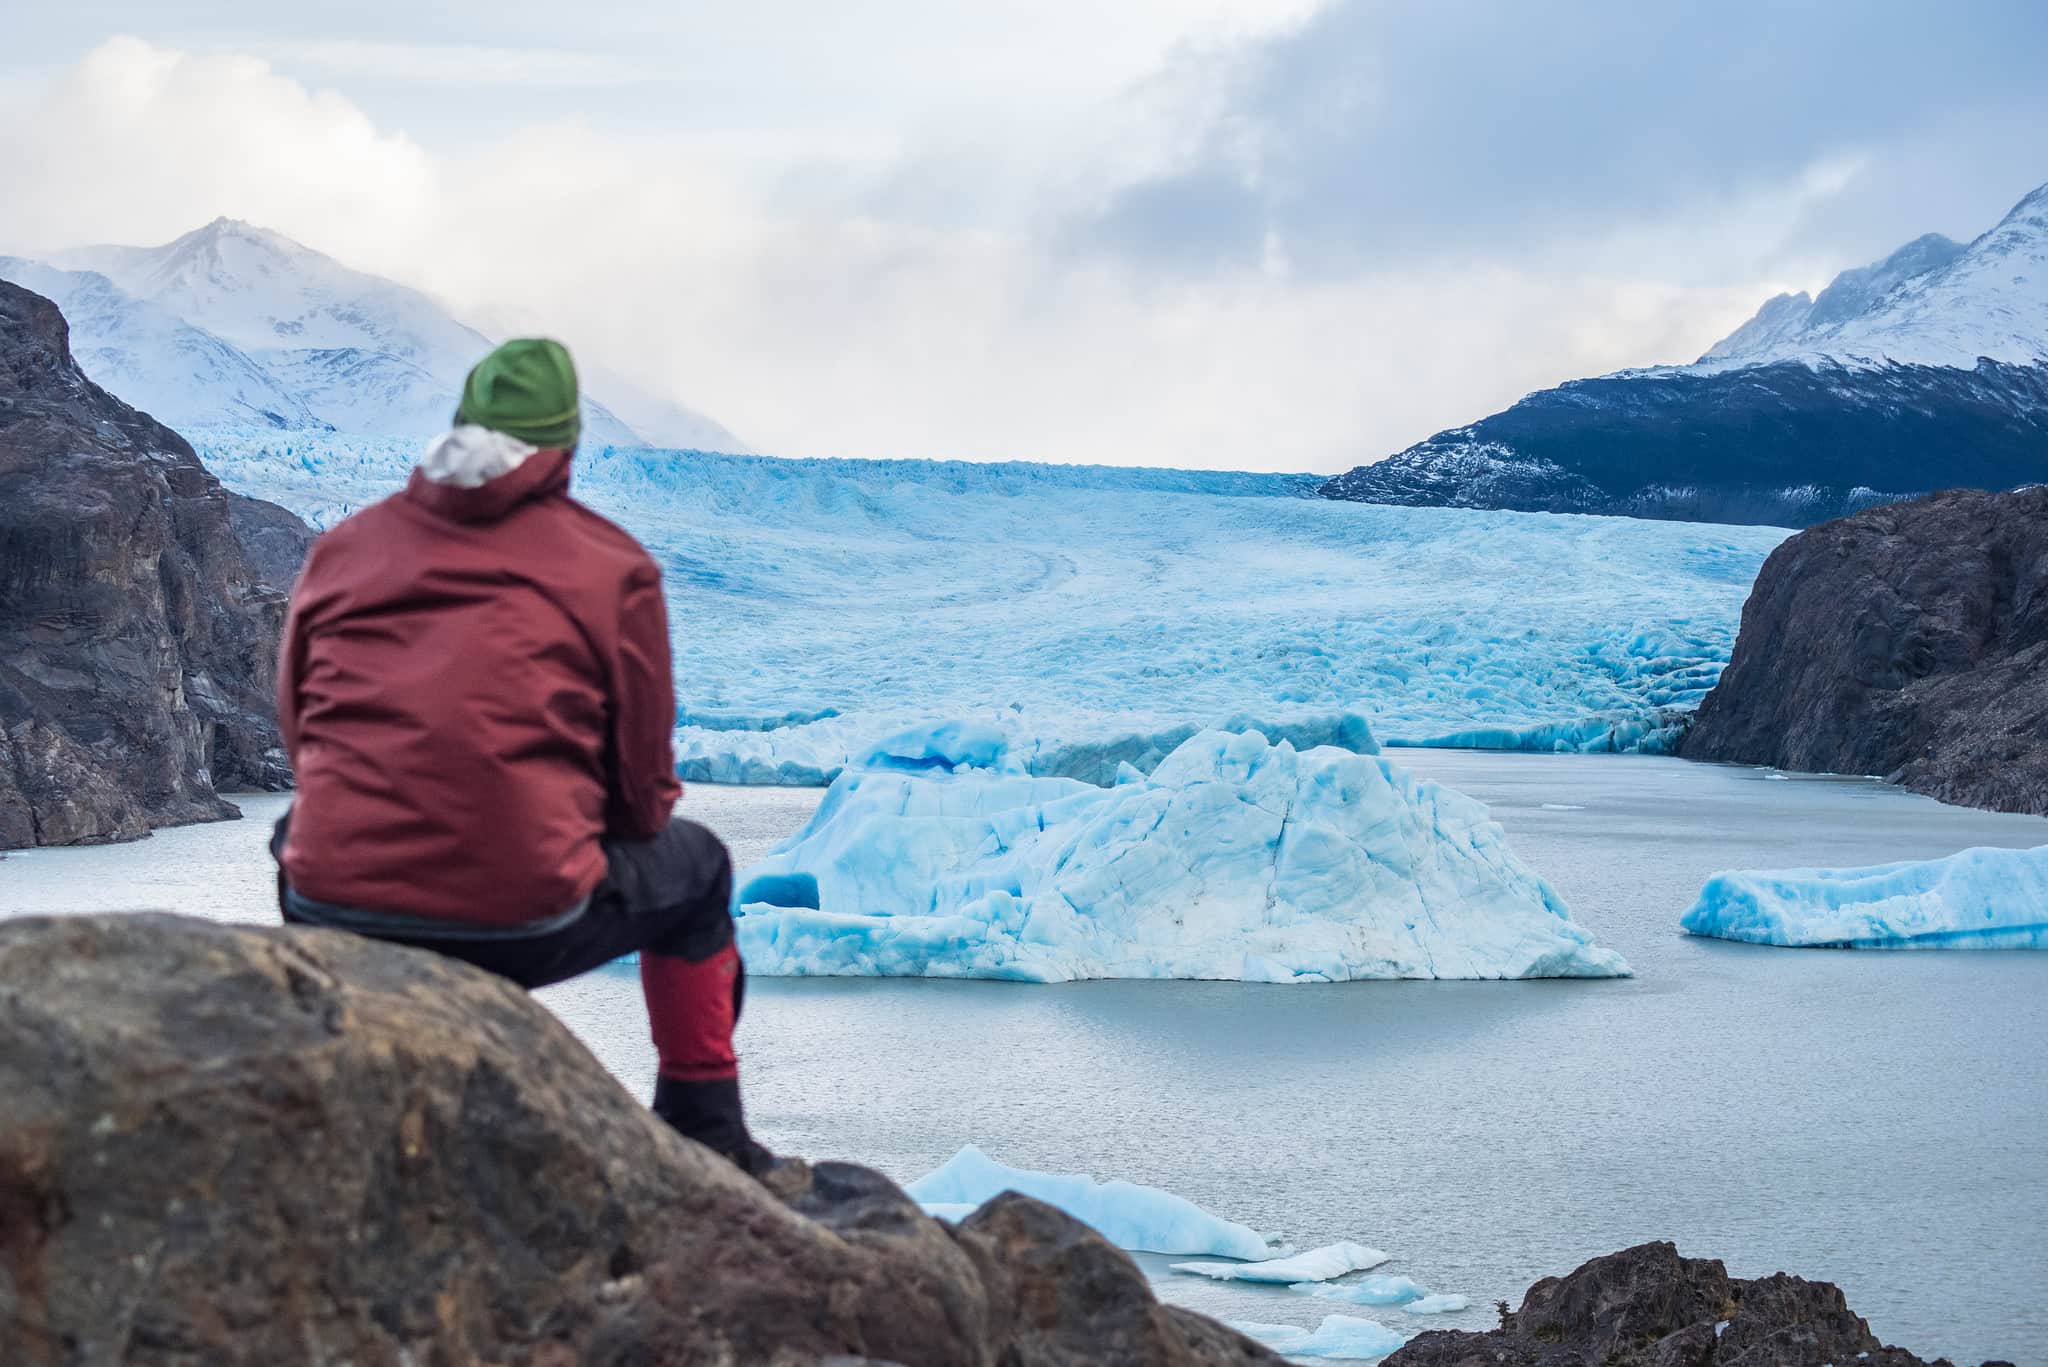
525	389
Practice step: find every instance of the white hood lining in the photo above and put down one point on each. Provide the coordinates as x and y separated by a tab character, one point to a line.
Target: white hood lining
469	456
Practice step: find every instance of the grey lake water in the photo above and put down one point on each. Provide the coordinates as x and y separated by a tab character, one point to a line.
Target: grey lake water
1875	1119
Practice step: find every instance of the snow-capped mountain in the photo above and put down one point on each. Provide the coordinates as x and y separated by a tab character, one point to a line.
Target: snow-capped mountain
1789	324
233	323
1926	370
182	375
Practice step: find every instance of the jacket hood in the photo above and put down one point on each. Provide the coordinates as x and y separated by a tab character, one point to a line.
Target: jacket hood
537	476
469	455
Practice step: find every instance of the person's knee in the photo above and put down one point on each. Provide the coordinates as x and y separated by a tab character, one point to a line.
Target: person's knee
701	925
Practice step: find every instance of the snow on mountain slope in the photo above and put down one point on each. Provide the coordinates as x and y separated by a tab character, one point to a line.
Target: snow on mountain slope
259	289
179	374
1789	322
662	422
1933	302
355	352
1097	615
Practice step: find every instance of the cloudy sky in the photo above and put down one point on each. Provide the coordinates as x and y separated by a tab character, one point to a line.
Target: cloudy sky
1288	234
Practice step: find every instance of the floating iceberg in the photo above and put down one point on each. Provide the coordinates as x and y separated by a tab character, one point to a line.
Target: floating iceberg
1107	614
1978	899
1339	1337
1438	1305
1233	859
1129	1216
1379	1290
1316	1265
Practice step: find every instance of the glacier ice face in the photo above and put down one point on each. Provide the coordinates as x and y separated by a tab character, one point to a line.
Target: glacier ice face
1142	1219
1344	1338
1316	1265
1099	617
1382	1289
1234	858
1977	899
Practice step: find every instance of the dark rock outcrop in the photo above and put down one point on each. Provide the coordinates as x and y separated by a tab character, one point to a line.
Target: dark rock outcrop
233	1145
1649	1307
1784	445
137	644
1909	641
274	540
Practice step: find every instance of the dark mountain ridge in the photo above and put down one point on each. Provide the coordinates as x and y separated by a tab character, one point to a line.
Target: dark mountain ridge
1787	444
1926	370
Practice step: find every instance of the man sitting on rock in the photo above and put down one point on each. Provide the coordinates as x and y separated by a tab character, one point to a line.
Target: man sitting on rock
475	691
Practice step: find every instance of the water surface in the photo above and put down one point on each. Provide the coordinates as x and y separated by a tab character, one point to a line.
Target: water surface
1875	1119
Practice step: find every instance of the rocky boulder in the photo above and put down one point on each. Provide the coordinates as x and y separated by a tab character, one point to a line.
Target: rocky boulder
1910	642
137	643
229	1145
1648	1307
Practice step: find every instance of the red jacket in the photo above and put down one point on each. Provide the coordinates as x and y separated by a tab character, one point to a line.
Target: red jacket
475	690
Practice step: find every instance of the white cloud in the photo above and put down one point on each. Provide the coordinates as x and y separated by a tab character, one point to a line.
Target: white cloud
455	65
831	323
140	143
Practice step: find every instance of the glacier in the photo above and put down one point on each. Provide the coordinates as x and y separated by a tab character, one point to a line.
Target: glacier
1138	1218
1977	899
1339	1337
1101	616
1316	1265
1235	858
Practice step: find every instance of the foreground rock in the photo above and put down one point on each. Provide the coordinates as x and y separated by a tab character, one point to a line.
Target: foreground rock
137	644
228	1145
1909	641
1648	1307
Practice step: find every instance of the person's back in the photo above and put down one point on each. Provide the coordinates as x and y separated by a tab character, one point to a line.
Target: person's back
475	690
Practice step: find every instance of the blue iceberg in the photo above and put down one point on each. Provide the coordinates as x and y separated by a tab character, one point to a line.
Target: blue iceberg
1316	1265
1339	1337
1376	1290
1132	1217
1978	899
1234	859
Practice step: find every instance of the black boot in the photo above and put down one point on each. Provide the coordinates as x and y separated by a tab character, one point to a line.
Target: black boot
709	1112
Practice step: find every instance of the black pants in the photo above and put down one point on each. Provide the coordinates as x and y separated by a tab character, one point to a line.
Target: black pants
668	895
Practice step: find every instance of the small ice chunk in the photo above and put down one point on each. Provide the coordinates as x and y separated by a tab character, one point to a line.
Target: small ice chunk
1978	899
1376	1290
1338	1337
1316	1265
1437	1305
1563	807
1129	1216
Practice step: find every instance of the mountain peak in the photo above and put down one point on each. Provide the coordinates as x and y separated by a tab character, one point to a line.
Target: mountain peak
225	230
1934	301
2029	215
